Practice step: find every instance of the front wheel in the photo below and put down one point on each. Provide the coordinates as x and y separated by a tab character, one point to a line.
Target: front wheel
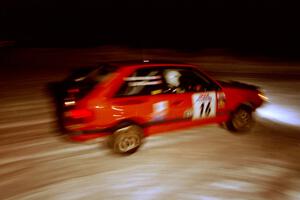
241	120
127	139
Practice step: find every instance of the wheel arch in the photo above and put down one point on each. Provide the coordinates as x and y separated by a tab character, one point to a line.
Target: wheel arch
137	132
246	105
126	122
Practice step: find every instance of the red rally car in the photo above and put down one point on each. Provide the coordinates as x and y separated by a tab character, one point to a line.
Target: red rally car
129	101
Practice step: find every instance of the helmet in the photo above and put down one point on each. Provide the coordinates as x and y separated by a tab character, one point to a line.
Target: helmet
172	77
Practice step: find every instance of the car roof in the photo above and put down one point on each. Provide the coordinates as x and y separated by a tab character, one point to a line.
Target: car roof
144	63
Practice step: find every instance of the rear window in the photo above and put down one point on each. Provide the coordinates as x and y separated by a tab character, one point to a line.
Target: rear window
85	79
98	74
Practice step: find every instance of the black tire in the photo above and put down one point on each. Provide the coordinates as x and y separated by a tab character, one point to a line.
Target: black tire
127	139
241	120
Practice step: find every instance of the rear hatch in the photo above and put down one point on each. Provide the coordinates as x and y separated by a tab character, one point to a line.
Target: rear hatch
81	81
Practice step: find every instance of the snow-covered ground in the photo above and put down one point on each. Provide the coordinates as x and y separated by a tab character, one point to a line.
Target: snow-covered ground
206	163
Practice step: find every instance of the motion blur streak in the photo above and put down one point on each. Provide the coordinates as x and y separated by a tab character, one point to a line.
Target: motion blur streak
203	163
279	113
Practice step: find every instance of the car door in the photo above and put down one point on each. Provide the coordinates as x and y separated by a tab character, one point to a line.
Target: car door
149	97
198	96
141	98
180	101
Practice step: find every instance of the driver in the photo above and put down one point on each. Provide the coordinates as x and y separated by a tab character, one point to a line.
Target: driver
173	82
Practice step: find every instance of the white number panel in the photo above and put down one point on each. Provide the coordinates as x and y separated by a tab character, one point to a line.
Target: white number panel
204	105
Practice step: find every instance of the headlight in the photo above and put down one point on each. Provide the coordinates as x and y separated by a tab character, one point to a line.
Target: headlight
263	96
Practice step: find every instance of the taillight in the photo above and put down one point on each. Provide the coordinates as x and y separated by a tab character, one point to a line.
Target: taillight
83	113
80	115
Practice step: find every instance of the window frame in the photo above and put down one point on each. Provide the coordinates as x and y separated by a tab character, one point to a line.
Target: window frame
215	87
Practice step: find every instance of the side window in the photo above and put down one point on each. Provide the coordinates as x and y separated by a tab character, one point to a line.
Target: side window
179	80
142	82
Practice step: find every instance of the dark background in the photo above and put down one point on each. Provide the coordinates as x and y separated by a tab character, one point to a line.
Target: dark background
267	26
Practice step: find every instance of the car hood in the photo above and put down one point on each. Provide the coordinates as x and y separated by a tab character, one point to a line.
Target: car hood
238	85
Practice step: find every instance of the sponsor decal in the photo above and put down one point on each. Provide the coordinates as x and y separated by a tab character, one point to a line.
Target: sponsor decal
160	110
188	113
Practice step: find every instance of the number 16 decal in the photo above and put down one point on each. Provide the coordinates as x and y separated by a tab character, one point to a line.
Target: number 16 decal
204	105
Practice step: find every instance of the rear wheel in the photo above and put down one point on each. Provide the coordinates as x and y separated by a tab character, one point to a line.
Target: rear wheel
241	120
127	139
